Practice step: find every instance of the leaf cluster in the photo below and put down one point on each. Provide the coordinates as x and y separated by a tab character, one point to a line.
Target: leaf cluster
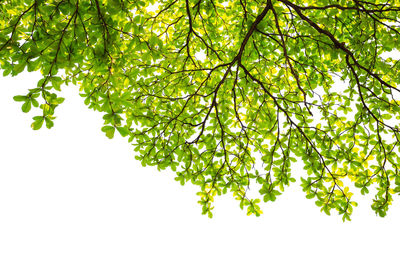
228	94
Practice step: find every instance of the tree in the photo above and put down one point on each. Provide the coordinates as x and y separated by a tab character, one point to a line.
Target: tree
227	94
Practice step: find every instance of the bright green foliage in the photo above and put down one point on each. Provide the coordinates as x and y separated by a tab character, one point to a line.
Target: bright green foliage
262	96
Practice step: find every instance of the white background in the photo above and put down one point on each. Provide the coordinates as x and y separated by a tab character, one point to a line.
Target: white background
69	196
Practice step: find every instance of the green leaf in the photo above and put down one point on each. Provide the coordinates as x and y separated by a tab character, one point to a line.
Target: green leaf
19	68
26	107
20	98
123	131
37	122
35	103
109	131
33	65
7	71
49	123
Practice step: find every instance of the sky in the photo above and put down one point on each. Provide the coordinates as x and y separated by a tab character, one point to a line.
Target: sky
69	196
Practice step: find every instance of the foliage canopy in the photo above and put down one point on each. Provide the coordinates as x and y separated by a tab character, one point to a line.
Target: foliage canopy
227	93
